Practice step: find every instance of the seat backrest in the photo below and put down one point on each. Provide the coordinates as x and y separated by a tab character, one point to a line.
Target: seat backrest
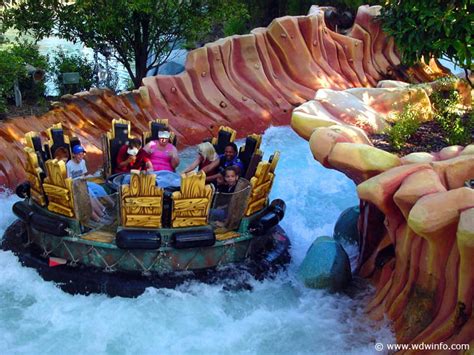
141	201
33	141
262	184
247	153
156	126
192	203
58	188
238	204
35	176
225	135
57	139
118	135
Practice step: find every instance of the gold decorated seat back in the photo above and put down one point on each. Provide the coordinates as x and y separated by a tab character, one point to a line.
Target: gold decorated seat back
156	126
57	139
141	201
262	184
113	140
191	204
250	155
225	135
33	141
34	175
58	188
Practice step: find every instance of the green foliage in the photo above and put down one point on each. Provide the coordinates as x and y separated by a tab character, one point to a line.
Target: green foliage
457	125
29	54
63	62
140	33
301	7
13	60
11	67
236	24
262	12
407	123
431	29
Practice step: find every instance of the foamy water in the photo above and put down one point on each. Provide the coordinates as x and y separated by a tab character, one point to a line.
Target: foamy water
278	316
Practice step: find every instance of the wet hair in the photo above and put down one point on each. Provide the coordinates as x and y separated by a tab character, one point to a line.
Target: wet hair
61	153
233	145
233	168
135	142
207	151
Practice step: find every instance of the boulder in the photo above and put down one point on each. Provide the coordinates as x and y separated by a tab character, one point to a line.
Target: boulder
325	266
345	230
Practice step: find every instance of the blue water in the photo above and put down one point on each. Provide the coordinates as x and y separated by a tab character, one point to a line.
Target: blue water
278	316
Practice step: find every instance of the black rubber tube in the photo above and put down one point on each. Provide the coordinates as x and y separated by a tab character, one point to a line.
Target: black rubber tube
137	239
273	214
194	239
49	225
22	211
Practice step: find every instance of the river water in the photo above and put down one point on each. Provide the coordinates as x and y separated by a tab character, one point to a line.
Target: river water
278	316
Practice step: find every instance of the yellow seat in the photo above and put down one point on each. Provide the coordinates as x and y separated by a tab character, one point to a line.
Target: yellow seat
156	126
58	188
141	202
225	135
113	140
58	139
33	175
262	184
192	203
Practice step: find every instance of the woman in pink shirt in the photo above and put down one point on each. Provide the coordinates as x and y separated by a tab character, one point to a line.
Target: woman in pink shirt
162	154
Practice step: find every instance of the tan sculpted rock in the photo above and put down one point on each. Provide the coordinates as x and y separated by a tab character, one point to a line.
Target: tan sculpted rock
247	82
417	230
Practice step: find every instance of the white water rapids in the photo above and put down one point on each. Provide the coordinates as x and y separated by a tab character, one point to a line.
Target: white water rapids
278	316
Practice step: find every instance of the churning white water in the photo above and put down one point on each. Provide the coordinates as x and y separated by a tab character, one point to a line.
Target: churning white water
278	316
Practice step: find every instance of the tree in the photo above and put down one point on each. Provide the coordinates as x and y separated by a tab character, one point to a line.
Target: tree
141	34
431	29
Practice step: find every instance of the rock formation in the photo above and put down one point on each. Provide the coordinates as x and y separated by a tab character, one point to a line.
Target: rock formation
416	229
247	82
416	218
325	266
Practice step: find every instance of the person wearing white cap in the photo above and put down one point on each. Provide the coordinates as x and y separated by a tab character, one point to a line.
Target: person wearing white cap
163	155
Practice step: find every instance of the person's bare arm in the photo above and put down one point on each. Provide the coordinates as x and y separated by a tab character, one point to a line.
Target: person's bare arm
193	165
174	158
130	160
218	178
211	166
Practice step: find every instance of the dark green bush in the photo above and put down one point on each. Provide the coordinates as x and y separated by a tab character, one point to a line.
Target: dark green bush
13	60
457	124
31	90
407	123
62	62
11	67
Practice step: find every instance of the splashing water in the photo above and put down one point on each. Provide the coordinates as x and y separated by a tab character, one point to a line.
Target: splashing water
279	316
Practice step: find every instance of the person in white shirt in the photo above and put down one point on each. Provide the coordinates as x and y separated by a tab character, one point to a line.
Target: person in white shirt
76	168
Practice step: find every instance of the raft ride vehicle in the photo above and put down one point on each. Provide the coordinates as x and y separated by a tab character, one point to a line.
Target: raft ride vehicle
156	231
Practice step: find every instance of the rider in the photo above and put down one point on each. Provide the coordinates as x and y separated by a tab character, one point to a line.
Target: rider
163	155
229	158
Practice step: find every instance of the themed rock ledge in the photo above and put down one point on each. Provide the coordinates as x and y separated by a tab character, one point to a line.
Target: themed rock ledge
247	82
416	229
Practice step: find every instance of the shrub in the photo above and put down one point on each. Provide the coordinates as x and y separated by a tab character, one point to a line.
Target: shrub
62	62
407	123
28	52
457	124
11	67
